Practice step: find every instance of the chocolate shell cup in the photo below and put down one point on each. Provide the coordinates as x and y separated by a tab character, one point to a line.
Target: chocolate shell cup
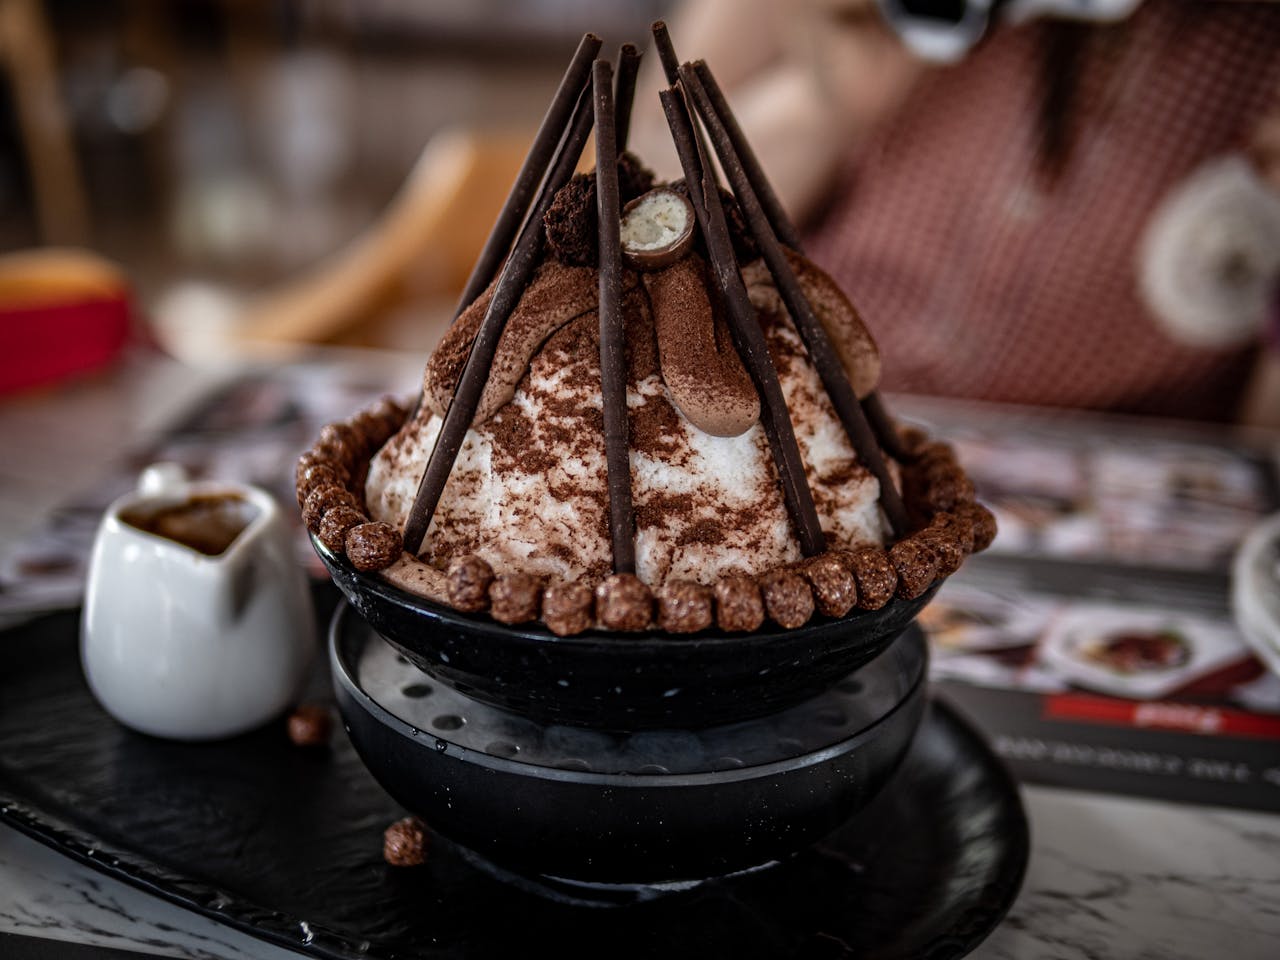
624	681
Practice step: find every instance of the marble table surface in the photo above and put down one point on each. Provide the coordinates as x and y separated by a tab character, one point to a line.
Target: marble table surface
1109	876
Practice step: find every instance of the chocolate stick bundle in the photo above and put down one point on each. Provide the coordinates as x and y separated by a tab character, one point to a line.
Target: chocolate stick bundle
880	420
510	287
613	348
532	170
747	335
830	369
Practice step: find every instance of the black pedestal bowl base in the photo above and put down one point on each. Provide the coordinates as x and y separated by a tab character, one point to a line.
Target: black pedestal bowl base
651	807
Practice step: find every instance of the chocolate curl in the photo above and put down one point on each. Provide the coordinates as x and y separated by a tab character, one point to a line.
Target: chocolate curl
510	287
873	405
613	352
625	92
531	173
747	334
834	377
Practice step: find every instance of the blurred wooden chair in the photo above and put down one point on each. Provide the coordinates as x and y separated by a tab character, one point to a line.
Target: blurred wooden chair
29	58
422	248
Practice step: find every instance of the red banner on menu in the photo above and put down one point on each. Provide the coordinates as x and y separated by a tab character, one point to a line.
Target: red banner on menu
1187	717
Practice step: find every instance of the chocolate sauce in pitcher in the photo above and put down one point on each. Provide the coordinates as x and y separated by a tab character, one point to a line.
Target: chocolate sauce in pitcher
206	523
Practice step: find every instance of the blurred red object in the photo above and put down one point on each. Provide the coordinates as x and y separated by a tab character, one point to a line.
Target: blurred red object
62	312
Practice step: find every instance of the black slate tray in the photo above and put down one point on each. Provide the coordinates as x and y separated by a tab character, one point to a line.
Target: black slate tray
285	843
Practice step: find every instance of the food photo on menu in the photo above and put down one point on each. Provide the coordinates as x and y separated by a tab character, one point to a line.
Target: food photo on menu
765	479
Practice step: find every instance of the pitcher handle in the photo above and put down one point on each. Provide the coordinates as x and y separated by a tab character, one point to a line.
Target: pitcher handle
162	479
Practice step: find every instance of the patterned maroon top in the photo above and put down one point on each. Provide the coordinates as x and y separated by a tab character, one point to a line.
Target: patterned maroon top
981	277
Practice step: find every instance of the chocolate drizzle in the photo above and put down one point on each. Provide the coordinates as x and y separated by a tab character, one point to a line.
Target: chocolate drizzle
746	328
613	374
825	360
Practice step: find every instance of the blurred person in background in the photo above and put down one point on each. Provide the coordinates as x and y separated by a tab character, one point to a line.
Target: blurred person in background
1055	202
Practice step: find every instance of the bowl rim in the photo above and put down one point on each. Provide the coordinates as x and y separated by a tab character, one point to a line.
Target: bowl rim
344	677
594	638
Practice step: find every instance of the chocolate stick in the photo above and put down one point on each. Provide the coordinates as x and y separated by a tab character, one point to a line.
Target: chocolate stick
671	67
885	429
831	371
613	349
531	173
666	51
778	219
747	334
510	287
625	92
786	231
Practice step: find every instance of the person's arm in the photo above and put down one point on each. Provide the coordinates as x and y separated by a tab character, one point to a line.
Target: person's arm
805	79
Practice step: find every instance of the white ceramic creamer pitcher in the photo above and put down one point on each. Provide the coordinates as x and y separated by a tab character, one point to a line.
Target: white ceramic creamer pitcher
181	641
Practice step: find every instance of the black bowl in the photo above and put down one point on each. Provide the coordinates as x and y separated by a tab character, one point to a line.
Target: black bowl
592	807
608	681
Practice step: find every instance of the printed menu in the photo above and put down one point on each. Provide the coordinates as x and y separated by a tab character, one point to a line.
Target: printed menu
1095	643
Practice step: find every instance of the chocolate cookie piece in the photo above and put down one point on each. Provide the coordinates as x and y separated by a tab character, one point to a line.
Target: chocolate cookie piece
515	597
984	524
916	565
373	546
467	579
875	575
335	524
404	843
567	608
623	602
684	607
310	725
571	220
787	598
323	499
834	588
316	475
739	606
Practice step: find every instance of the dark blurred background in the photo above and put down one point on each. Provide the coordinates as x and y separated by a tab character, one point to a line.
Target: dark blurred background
233	142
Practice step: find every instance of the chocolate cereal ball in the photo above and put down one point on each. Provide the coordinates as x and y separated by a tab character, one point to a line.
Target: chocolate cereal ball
404	843
787	598
467	581
335	525
567	608
373	546
623	602
739	606
684	607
